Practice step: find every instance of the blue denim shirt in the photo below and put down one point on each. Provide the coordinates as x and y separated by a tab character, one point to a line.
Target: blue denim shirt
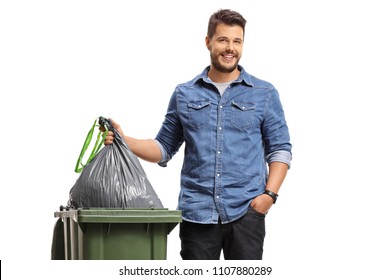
229	140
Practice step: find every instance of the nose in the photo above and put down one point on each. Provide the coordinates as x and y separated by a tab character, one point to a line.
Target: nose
230	46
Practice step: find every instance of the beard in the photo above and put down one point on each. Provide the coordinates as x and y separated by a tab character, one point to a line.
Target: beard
221	68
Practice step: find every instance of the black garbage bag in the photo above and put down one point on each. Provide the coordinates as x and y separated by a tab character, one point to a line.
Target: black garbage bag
113	178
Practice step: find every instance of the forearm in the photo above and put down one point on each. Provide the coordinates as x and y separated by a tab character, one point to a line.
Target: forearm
145	149
277	173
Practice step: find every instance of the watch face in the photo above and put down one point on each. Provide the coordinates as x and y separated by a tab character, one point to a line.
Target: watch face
272	194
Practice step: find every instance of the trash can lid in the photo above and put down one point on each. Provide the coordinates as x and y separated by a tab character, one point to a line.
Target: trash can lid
119	215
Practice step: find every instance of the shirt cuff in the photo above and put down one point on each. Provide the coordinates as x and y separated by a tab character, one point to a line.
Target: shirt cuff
280	156
164	156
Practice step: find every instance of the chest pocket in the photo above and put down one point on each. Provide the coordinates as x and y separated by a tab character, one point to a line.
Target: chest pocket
243	113
199	112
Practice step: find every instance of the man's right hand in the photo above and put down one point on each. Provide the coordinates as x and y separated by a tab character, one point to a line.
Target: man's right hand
110	135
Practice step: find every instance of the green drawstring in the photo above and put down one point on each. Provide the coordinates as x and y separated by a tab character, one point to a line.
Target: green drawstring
98	144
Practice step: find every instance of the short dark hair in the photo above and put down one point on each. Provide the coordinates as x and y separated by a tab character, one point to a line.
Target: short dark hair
225	16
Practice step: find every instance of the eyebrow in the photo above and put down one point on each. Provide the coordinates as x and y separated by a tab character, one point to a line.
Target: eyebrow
224	37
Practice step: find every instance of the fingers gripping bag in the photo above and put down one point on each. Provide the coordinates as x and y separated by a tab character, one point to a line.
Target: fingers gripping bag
112	177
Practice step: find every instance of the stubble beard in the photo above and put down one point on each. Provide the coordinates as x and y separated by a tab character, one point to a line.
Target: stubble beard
219	67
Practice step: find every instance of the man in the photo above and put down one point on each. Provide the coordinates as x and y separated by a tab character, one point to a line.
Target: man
233	126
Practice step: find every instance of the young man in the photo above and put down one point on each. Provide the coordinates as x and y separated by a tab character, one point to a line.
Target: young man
234	127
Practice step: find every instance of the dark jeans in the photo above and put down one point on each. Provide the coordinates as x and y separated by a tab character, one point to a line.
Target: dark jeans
240	240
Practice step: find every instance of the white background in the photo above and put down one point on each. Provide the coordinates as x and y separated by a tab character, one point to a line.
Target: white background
64	63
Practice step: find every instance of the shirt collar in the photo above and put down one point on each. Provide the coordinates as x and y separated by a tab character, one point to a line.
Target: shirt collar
244	77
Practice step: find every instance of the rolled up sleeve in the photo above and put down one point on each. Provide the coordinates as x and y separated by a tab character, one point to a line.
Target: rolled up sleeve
280	156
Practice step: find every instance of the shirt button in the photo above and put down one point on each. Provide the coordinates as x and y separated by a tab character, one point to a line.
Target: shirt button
220	106
217	196
218	175
219	152
220	128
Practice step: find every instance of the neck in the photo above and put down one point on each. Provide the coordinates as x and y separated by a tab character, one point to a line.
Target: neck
222	77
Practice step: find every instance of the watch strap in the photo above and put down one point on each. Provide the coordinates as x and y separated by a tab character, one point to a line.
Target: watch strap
271	194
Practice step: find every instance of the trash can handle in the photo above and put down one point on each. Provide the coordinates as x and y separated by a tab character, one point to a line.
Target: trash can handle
100	121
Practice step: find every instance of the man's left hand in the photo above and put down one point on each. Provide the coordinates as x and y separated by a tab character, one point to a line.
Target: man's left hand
262	203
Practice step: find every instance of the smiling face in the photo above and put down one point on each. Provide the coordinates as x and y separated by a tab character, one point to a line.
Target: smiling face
225	48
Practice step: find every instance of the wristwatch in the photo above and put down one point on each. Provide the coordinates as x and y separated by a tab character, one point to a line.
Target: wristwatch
272	194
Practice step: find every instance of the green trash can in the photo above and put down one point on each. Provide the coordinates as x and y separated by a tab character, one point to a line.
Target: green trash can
113	234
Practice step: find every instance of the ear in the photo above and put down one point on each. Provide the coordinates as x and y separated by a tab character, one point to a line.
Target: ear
207	41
